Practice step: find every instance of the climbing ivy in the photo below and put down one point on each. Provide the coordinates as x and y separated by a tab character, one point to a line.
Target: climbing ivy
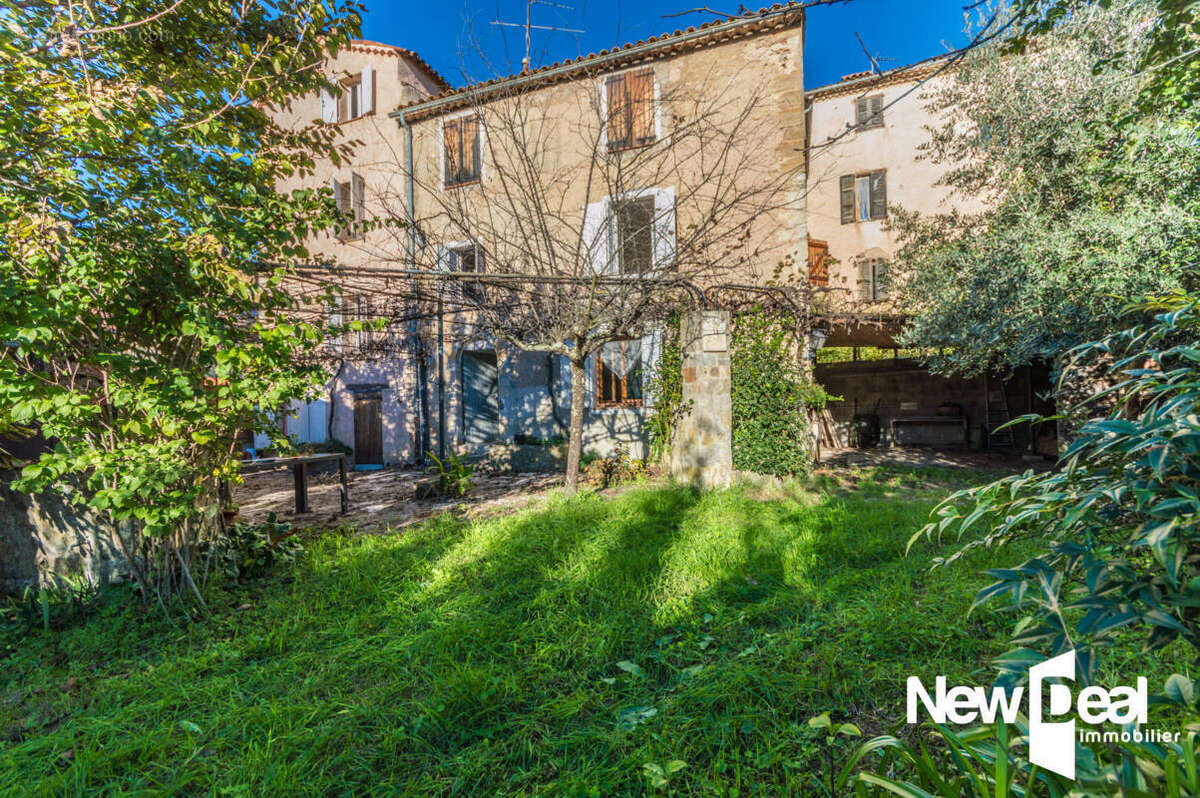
771	396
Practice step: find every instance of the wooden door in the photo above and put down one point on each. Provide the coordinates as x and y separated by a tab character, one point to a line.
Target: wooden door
368	430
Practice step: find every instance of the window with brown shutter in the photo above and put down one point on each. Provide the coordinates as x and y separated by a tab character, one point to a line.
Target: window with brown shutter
818	262
872	279
846	184
868	111
619	374
863	196
461	150
630	98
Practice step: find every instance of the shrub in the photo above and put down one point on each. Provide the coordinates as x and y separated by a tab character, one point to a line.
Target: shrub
620	467
252	550
771	397
455	474
1120	516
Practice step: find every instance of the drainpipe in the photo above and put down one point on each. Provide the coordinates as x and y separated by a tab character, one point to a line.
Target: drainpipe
413	330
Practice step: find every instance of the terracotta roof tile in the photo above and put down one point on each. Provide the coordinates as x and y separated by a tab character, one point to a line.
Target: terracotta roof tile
744	25
379	48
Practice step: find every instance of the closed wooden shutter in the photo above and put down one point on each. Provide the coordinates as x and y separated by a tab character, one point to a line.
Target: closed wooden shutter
875	105
471	148
847	189
866	289
818	262
619	128
452	148
641	102
879	195
880	279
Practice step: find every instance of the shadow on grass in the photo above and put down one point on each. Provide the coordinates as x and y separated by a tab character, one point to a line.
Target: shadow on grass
554	651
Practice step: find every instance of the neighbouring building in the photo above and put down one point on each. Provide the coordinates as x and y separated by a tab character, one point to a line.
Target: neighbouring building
865	156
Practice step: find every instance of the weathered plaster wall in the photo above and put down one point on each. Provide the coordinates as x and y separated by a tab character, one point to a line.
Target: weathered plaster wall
895	146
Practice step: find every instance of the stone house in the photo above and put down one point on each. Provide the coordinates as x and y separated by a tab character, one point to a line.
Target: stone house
864	156
425	149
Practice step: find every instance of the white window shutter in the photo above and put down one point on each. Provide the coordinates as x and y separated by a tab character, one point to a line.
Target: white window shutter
597	248
443	259
367	102
328	108
664	228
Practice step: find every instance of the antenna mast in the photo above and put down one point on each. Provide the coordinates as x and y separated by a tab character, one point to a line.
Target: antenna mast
528	25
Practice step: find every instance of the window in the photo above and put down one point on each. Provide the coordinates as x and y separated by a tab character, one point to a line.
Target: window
466	258
356	98
868	111
634	229
872	279
360	310
350	104
351	203
619	374
818	262
864	196
460	150
630	98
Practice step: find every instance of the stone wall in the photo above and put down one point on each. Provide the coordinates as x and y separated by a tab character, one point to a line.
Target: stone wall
702	452
42	535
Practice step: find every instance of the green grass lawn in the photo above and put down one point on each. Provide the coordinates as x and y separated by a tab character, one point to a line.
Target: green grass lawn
551	652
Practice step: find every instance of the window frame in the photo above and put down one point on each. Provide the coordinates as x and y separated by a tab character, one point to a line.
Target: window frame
454	252
852	188
475	177
868	120
350	102
630	142
620	385
615	214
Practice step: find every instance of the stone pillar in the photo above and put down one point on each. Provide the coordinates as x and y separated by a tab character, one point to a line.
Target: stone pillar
702	453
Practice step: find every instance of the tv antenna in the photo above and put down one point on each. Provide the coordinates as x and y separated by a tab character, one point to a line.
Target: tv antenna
874	59
529	26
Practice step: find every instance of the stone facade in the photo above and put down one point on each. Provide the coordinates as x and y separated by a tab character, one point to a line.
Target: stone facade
760	55
44	535
702	452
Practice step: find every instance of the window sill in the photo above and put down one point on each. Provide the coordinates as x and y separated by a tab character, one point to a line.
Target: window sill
617	406
474	182
624	147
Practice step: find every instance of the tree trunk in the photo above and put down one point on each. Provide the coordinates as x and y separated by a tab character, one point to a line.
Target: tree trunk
575	435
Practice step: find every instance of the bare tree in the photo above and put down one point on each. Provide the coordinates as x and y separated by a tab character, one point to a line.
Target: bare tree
604	203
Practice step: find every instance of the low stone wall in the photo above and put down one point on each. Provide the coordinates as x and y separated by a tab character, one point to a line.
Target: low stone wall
43	534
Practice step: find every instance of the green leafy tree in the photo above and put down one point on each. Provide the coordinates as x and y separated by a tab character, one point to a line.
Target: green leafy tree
1168	67
1087	200
139	161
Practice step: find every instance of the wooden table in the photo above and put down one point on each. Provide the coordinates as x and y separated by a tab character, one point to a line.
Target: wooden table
299	466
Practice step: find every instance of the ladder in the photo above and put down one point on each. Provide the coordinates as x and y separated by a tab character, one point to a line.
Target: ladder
997	415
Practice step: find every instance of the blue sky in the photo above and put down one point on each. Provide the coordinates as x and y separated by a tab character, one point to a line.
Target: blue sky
456	38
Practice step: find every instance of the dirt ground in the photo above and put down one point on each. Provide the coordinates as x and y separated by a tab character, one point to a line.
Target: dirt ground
381	500
918	456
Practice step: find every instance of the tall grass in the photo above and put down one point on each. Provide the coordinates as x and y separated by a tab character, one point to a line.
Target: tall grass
558	651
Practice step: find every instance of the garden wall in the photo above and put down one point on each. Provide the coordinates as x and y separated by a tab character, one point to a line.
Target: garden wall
43	534
901	388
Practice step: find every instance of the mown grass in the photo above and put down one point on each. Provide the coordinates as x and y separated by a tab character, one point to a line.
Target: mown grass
552	652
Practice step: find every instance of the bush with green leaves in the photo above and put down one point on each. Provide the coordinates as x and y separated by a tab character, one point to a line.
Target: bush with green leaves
991	761
251	550
454	474
771	396
144	317
1120	516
